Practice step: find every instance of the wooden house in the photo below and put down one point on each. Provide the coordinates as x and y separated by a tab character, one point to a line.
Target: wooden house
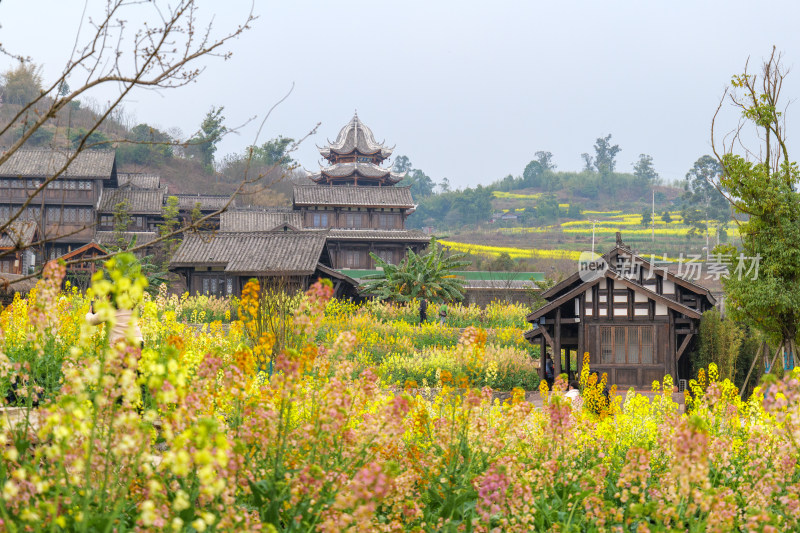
65	211
221	262
637	321
358	200
16	247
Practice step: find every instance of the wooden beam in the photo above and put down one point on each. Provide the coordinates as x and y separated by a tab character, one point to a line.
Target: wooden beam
547	336
684	344
575	320
557	343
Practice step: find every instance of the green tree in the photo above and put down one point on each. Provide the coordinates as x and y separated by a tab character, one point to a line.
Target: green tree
765	189
96	140
701	200
122	221
402	164
720	343
605	155
211	132
545	159
647	217
588	162
148	146
644	172
532	175
22	85
444	185
421	184
273	152
666	217
171	222
427	275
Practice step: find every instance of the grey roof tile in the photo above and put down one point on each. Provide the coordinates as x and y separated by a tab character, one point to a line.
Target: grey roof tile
276	253
140	201
344	196
110	237
94	164
355	136
378	235
139	181
249	220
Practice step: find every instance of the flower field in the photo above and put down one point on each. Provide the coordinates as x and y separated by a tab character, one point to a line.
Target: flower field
210	428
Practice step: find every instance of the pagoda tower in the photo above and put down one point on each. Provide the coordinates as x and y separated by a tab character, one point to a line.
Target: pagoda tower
354	159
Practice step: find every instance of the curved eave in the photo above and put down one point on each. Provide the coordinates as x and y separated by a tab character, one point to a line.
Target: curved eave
328	151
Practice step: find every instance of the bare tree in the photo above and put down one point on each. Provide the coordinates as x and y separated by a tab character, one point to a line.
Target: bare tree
164	52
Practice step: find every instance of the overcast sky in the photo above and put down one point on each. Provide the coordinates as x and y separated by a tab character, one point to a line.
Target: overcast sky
468	90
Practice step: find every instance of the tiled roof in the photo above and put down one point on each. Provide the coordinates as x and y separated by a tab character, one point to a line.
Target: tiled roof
95	164
18	234
378	235
366	170
345	196
271	253
355	136
207	202
110	237
11	283
140	201
242	220
139	181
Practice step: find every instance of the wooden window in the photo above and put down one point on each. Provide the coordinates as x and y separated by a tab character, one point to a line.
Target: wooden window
627	345
646	350
386	255
386	221
619	345
353	258
633	344
606	344
353	220
320	220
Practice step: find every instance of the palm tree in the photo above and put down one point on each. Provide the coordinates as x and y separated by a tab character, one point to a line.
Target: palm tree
428	275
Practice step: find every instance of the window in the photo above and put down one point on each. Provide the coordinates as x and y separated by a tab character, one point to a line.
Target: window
627	344
106	220
216	284
386	255
646	352
71	184
619	345
606	344
353	259
320	220
352	220
387	221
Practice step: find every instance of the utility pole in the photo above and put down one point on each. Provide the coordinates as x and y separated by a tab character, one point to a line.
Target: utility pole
593	223
653	219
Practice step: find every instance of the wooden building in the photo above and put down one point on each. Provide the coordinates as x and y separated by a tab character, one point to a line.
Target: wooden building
637	321
16	252
65	212
220	263
352	207
357	200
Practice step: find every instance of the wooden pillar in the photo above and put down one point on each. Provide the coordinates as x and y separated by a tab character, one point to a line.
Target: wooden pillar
672	361
581	327
542	355
557	344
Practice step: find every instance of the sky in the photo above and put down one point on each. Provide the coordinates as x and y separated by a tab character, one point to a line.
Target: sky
467	90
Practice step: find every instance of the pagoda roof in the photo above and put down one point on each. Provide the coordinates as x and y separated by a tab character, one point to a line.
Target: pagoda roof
355	137
365	170
349	196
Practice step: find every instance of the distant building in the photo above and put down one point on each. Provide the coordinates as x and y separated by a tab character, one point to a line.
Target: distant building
352	206
65	212
637	321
